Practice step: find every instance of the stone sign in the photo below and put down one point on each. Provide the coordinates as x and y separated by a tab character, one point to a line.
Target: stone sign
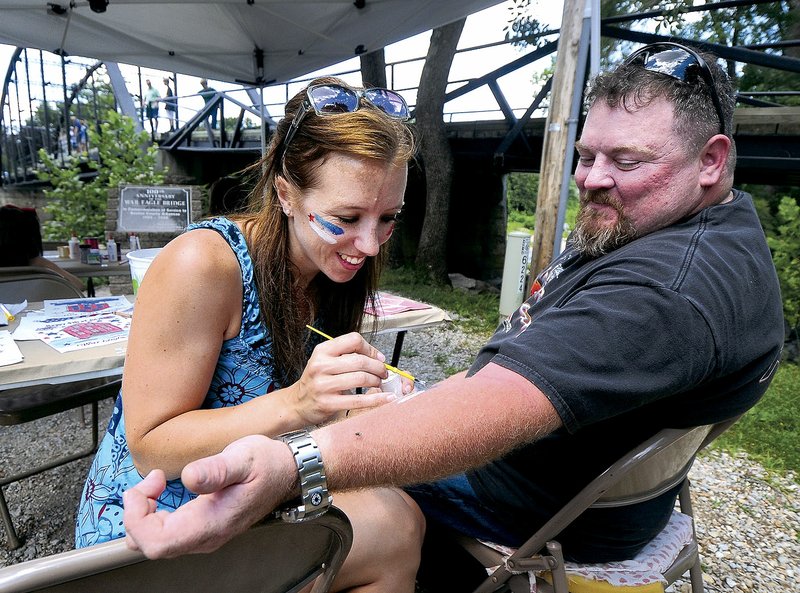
154	208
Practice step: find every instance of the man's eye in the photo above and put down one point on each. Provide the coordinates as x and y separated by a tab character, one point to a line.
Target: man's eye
586	161
626	165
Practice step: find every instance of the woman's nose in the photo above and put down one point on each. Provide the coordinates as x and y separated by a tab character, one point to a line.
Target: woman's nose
368	242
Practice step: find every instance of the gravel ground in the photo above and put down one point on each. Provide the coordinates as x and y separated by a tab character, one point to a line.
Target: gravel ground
748	519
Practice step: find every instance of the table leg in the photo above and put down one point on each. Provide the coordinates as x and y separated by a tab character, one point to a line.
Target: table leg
398	347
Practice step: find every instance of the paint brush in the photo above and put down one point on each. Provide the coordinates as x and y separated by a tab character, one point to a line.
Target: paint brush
386	364
9	316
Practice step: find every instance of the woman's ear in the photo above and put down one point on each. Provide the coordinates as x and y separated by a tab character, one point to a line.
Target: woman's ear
713	159
282	189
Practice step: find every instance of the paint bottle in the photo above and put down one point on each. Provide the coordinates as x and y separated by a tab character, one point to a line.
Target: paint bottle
133	242
111	247
74	247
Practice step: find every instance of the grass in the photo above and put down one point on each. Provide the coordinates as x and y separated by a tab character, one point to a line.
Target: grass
767	433
476	313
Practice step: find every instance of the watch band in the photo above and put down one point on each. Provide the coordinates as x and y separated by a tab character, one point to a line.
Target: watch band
314	497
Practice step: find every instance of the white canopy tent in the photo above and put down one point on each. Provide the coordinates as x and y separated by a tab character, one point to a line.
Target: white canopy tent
247	41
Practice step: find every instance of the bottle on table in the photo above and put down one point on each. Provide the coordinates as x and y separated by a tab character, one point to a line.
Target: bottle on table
111	247
74	247
133	242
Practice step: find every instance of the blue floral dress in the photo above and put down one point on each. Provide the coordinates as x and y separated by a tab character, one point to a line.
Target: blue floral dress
244	371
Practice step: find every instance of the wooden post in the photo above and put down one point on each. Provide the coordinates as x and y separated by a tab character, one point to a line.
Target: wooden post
555	137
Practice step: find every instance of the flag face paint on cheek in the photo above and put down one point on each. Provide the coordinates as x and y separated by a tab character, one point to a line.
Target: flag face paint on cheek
327	231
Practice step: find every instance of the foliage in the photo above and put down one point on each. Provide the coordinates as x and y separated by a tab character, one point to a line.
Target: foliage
746	24
768	431
785	246
521	192
79	205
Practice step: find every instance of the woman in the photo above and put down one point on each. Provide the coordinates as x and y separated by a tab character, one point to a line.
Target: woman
21	242
220	320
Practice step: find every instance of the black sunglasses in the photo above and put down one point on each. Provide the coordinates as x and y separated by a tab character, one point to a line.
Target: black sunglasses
334	99
681	63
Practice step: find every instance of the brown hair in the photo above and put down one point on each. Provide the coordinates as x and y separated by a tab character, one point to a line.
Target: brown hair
631	86
285	307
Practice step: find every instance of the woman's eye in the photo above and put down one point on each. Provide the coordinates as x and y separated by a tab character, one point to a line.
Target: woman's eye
347	219
390	218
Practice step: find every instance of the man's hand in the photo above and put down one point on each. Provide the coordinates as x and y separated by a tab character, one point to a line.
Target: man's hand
237	487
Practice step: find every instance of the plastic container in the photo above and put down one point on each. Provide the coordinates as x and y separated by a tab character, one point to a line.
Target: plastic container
111	247
74	247
140	260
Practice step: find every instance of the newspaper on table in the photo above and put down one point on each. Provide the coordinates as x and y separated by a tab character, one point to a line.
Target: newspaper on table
9	351
75	324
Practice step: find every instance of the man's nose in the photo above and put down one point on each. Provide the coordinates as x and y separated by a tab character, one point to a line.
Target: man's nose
598	176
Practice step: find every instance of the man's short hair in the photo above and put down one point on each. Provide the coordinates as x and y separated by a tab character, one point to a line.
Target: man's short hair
632	86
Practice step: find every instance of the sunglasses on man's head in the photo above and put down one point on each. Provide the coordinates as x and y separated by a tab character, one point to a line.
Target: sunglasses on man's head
333	99
681	63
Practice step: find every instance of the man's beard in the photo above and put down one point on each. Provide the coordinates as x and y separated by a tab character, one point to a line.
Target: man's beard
592	236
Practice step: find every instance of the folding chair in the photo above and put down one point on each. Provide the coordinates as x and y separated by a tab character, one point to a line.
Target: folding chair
25	404
34	284
272	557
660	463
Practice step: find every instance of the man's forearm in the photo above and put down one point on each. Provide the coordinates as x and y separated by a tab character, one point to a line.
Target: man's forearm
459	424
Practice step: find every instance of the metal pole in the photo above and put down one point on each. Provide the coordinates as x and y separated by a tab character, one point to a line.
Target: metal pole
263	121
66	107
44	101
594	7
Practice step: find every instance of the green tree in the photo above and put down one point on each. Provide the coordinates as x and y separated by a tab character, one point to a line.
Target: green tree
521	191
785	245
77	202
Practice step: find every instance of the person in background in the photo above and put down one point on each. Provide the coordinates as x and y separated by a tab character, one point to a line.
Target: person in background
219	347
21	242
209	93
171	105
151	101
82	133
664	310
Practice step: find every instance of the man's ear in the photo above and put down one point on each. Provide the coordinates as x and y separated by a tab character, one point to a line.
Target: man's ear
713	158
282	189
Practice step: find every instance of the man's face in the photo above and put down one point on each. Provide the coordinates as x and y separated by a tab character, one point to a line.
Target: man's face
634	176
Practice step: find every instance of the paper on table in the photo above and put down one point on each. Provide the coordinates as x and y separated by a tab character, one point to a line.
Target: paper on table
69	333
85	306
389	304
9	351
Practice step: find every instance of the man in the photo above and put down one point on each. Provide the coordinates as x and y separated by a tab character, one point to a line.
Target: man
664	310
171	105
208	93
151	99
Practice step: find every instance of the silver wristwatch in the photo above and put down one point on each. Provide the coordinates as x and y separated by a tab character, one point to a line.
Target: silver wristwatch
314	498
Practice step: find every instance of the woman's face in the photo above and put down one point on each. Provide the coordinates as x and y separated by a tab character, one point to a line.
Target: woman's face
351	212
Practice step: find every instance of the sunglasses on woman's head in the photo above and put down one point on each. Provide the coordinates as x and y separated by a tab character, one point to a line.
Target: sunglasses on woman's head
681	63
333	99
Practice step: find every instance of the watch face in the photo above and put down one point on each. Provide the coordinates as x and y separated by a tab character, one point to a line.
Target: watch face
316	499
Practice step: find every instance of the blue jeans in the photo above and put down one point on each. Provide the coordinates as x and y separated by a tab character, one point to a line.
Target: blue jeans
453	503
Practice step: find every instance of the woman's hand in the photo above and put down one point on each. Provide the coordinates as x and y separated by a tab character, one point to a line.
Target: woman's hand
335	369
